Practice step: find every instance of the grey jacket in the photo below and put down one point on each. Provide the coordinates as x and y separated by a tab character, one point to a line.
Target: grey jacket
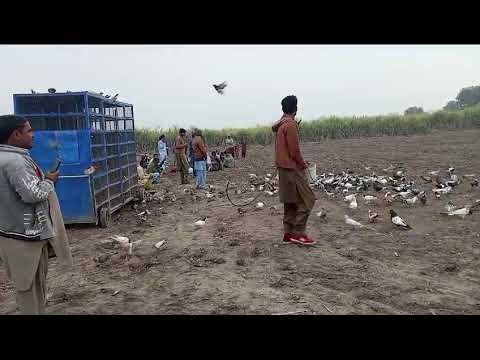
24	191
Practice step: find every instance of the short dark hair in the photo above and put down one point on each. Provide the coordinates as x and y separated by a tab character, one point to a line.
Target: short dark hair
8	124
161	137
289	104
182	131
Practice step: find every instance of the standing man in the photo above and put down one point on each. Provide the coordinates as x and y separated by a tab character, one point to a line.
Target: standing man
200	153
162	151
31	223
295	192
181	155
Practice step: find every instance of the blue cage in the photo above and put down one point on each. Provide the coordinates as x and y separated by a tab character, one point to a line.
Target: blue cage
84	129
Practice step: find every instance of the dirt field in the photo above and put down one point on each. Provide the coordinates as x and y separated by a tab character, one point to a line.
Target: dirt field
238	264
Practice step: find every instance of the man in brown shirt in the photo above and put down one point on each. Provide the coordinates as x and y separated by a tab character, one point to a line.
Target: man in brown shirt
295	192
181	156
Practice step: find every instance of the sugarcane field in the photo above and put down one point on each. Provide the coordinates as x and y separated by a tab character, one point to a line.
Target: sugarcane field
106	209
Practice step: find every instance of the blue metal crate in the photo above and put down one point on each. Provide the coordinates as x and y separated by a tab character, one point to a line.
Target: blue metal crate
84	129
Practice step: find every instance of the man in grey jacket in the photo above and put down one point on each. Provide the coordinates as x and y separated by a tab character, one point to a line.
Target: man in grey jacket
31	224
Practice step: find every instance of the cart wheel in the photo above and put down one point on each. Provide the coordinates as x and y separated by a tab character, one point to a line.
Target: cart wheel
104	217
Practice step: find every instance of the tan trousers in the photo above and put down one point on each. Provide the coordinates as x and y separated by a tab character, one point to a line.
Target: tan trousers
34	300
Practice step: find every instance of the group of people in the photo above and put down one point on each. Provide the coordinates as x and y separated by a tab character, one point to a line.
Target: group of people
31	224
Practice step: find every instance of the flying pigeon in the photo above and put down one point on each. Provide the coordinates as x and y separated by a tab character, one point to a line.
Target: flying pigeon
52	91
33	91
107	96
114	98
398	221
220	87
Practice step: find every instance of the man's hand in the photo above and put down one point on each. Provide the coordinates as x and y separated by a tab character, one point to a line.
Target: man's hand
53	175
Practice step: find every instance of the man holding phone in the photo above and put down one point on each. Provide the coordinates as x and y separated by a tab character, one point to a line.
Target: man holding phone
31	223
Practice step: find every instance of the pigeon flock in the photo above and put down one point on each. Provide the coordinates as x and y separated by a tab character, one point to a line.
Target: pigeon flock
393	186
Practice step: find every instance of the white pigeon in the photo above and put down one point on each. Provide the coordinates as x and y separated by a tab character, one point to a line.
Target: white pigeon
411	201
260	205
269	175
121	239
353	204
252	176
267	179
352	222
398	221
350	198
444	190
160	243
348	186
208	195
369	198
405	194
459	212
269	193
433	173
201	222
261	187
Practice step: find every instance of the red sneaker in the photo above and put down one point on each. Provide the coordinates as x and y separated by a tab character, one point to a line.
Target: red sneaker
304	239
288	237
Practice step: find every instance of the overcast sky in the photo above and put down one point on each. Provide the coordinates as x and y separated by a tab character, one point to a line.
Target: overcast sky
172	84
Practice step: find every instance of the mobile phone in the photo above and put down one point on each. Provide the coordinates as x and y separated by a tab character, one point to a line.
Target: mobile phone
58	162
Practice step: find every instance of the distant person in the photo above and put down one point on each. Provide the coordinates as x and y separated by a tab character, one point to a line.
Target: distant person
162	150
244	148
181	155
200	153
155	165
229	141
190	155
31	222
295	192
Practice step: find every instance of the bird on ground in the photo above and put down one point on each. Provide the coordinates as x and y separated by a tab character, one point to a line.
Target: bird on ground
434	173
372	216
411	201
458	212
201	222
241	211
445	190
398	221
220	88
260	205
350	198
426	178
352	222
353	204
369	198
322	214
450	206
474	183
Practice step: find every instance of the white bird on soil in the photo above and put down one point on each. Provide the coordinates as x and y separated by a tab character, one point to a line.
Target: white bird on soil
459	212
201	222
398	221
350	221
369	198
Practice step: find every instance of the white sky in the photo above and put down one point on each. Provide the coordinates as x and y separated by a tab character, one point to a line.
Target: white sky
172	84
